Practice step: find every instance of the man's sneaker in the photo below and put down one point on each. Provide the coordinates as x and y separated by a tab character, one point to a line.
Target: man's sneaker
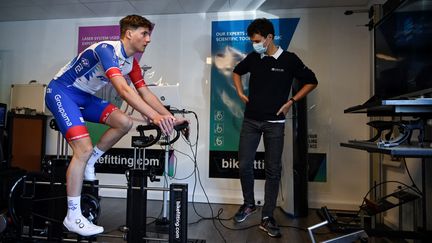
82	226
268	224
244	211
89	173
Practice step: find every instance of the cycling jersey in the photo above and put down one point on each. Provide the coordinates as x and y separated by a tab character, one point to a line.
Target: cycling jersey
70	95
93	67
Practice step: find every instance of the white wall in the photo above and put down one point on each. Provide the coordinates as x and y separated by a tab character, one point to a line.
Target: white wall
330	43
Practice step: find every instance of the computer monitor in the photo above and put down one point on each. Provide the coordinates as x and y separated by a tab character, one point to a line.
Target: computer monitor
403	51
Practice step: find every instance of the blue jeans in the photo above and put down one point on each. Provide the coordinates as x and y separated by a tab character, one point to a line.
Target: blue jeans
273	134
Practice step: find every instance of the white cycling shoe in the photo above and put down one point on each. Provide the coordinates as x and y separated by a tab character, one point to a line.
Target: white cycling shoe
89	173
82	226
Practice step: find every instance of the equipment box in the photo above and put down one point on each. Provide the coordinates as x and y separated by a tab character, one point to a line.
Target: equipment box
31	96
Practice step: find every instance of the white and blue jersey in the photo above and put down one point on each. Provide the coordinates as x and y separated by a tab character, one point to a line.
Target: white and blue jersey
70	95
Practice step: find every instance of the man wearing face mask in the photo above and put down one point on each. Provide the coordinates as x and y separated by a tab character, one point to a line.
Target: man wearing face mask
272	71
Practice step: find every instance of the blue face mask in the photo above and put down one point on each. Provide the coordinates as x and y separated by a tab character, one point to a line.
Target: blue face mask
259	47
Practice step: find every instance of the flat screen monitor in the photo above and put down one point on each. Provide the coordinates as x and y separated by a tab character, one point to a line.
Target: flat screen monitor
3	111
403	51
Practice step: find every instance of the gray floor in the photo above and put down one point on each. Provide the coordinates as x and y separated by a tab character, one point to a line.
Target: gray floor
113	215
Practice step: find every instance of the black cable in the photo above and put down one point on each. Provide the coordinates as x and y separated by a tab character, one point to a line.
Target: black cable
220	211
215	217
255	225
370	190
412	181
197	174
194	150
197	178
194	170
154	218
385	182
237	229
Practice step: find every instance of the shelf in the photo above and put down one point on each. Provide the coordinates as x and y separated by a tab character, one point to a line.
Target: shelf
419	108
394	107
410	151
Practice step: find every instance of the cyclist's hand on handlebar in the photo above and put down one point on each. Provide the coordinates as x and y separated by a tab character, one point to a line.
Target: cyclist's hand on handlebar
165	122
180	120
182	125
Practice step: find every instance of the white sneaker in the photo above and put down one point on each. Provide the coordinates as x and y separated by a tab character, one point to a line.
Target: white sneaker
82	226
89	173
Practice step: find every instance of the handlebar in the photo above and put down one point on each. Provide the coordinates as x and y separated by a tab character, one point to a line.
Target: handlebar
144	141
151	126
178	128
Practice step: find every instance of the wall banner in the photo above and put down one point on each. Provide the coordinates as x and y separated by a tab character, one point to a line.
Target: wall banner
118	160
230	44
88	35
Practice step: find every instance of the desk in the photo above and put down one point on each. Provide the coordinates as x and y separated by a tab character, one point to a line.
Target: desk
421	108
